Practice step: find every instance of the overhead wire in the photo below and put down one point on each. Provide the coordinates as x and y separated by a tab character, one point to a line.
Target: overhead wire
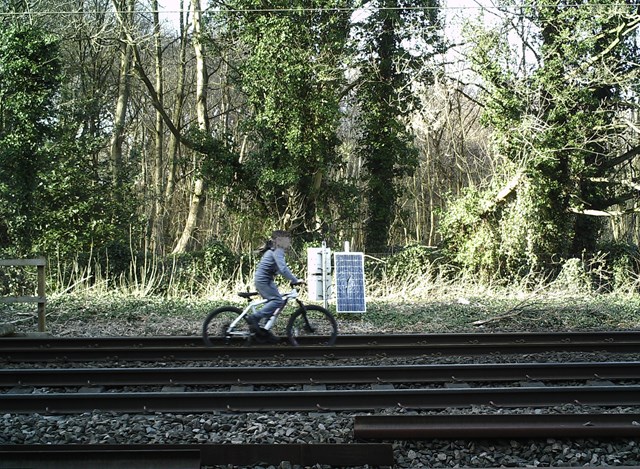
319	9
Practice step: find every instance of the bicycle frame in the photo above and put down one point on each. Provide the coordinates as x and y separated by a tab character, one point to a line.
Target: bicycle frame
251	308
230	322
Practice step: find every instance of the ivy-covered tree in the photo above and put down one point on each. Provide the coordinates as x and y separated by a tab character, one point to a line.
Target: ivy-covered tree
291	73
56	197
562	124
396	40
29	79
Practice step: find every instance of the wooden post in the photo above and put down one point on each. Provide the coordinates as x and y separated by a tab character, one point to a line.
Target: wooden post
41	299
42	323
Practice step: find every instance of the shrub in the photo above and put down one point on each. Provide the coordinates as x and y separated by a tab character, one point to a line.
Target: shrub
214	262
15	281
415	260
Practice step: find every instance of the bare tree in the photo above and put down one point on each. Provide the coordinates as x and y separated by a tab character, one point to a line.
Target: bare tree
125	9
198	190
157	231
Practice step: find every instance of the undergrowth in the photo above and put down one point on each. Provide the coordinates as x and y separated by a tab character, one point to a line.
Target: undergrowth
419	296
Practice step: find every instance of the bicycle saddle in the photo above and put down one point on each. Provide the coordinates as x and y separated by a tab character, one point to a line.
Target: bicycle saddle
247	294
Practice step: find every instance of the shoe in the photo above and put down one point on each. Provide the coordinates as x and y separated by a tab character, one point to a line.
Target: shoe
254	323
264	336
271	338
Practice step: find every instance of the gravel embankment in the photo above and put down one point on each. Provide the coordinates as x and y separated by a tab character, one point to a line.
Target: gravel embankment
329	427
319	427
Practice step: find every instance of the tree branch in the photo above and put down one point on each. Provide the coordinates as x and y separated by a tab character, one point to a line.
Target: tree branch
622	158
623	182
619	33
155	100
506	191
605	213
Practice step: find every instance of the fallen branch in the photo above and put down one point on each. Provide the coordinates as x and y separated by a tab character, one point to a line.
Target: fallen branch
506	191
513	312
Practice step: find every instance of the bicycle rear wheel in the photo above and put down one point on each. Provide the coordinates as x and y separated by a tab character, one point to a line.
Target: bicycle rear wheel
312	321
217	326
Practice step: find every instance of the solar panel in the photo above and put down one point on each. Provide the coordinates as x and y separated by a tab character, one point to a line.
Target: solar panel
350	296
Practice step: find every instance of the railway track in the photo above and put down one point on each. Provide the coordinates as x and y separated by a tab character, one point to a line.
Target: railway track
13	350
300	375
360	339
75	390
403	427
454	390
246	399
190	456
366	428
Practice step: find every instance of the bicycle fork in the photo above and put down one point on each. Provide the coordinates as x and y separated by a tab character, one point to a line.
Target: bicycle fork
307	325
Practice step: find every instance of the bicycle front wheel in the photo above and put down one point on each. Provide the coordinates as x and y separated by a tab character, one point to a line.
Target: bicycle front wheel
312	321
219	324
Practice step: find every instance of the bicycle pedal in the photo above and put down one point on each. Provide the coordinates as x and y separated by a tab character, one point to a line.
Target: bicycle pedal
253	323
266	339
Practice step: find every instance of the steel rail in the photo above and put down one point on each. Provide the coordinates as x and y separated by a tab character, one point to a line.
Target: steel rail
13	350
76	458
449	339
164	456
313	400
293	353
399	427
450	373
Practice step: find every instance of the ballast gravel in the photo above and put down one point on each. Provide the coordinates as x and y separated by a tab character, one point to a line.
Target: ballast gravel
321	427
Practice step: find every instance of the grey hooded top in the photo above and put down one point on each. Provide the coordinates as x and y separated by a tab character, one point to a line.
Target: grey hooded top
272	264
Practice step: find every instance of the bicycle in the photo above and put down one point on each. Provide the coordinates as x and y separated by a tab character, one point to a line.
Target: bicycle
229	322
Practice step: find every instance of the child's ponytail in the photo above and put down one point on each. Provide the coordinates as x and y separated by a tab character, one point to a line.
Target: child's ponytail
268	244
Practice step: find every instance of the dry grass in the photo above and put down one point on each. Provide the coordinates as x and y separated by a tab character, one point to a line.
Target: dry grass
425	303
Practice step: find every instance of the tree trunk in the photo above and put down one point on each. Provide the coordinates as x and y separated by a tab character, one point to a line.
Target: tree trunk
157	219
197	195
195	209
117	137
381	190
174	142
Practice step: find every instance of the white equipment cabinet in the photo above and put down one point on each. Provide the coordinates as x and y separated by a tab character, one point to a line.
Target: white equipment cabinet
319	273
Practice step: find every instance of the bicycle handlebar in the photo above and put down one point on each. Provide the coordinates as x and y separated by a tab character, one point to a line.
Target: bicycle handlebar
294	291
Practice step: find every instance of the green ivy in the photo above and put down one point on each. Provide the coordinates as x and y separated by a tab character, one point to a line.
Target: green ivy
556	123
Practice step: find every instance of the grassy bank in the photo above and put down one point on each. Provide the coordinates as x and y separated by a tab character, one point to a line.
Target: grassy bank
407	296
455	310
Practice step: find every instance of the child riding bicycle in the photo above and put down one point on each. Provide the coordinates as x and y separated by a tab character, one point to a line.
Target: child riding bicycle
307	321
271	264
